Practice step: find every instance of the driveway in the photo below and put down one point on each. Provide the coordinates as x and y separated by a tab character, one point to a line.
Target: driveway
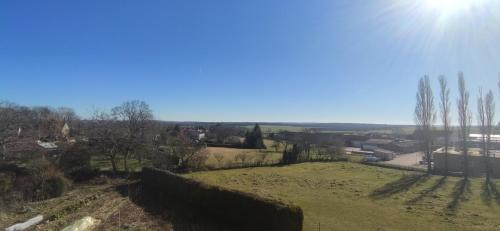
409	159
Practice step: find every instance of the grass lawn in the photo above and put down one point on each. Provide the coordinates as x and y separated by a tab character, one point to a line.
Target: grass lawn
351	196
102	163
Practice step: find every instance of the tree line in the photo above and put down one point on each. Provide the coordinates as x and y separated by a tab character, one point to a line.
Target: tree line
425	119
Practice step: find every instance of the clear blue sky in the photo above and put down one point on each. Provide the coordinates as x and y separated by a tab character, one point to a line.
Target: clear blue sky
259	60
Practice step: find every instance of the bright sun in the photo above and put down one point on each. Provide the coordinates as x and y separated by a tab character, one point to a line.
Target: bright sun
449	7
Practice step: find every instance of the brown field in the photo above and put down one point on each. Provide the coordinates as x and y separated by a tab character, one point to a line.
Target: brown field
253	154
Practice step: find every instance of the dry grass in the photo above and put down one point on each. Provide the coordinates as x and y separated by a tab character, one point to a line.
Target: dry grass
350	196
230	155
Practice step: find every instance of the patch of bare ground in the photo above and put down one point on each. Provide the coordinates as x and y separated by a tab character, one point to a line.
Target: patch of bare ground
117	205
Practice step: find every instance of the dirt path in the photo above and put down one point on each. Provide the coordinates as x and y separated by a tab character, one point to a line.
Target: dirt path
103	202
410	159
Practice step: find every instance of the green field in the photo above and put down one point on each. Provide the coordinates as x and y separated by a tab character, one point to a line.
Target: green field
277	128
351	196
104	164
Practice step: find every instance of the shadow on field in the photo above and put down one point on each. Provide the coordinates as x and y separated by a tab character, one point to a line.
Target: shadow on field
182	216
461	193
400	185
490	193
429	191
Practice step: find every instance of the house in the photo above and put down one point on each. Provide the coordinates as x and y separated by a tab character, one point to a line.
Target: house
394	145
475	140
65	131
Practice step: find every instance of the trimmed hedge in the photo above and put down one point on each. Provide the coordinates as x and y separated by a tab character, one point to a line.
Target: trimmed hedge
243	210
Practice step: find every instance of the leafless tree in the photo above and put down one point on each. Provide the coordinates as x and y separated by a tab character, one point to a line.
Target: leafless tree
184	151
219	157
243	157
260	157
425	117
445	106
106	136
481	119
339	148
276	145
489	108
14	121
8	124
134	115
464	120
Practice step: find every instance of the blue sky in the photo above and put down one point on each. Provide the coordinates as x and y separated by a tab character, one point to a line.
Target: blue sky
260	60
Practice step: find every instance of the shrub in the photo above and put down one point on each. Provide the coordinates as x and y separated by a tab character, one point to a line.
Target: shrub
54	187
75	158
46	181
198	161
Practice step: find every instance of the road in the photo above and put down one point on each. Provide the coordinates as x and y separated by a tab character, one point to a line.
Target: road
410	159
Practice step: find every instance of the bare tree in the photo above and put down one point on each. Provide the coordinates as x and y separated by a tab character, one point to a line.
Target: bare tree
489	108
481	117
14	121
8	125
219	157
464	120
243	157
106	136
425	117
134	115
184	150
445	117
276	145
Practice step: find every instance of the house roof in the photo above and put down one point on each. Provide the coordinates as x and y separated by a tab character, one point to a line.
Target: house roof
381	150
46	145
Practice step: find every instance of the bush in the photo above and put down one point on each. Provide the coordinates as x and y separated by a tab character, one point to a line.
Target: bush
46	181
54	187
75	158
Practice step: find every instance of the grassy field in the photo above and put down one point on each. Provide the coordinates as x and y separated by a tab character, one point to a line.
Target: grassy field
351	196
103	164
229	155
277	128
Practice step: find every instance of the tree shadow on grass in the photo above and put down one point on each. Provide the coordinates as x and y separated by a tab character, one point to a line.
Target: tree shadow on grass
400	185
460	193
489	192
429	191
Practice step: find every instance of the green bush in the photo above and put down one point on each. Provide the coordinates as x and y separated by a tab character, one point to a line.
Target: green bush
54	187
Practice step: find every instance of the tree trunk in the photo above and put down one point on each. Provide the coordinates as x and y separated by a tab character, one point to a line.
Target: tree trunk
446	158
3	151
125	157
466	159
113	163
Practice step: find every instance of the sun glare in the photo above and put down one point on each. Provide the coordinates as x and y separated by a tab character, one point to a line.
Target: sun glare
449	7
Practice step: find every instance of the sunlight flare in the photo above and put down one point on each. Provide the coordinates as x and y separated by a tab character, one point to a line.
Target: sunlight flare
449	7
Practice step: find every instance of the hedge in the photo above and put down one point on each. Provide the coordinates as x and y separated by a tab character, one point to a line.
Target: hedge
238	209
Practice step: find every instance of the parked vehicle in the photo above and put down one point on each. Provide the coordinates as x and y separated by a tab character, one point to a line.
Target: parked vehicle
371	158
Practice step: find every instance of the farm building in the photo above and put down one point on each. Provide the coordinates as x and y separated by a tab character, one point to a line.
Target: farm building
384	154
476	162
